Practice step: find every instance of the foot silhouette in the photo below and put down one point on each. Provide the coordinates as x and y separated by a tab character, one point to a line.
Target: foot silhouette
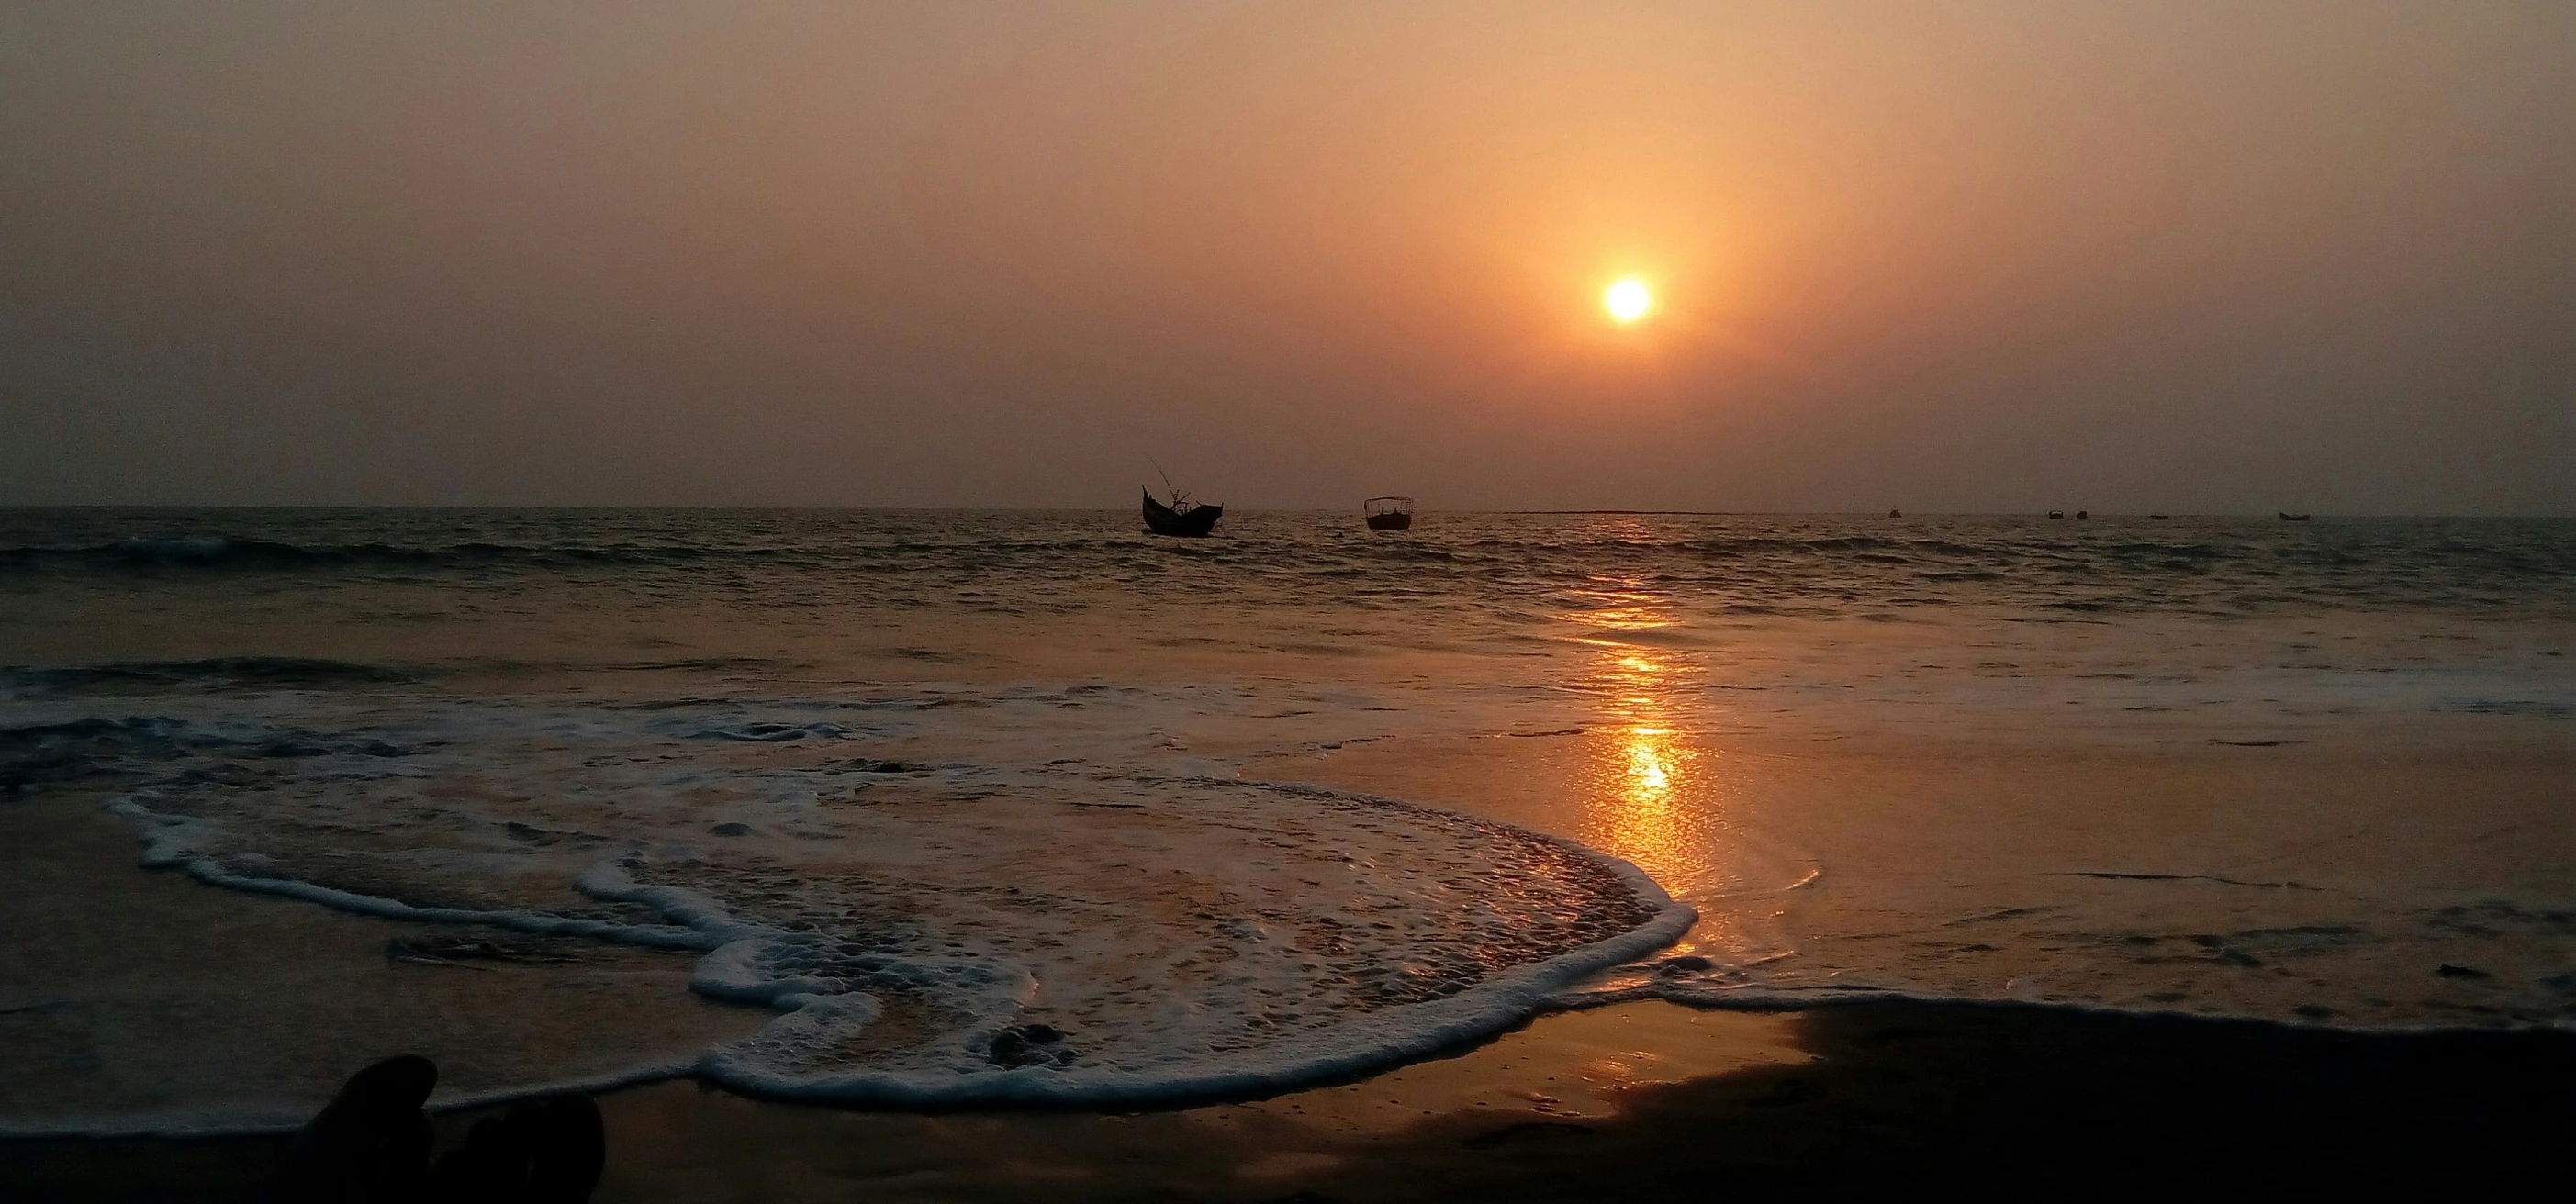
372	1143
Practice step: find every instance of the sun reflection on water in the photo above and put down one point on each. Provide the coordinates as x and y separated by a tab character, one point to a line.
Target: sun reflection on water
1646	764
1644	787
1656	792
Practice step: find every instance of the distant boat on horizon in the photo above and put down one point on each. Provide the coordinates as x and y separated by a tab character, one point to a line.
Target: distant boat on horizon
1183	517
1388	513
2288	517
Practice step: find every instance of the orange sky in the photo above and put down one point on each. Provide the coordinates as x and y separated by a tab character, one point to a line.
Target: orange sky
2165	256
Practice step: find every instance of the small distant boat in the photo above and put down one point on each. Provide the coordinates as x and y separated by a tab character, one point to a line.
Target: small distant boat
2057	514
2083	514
2288	517
1388	513
1895	513
1183	517
2160	517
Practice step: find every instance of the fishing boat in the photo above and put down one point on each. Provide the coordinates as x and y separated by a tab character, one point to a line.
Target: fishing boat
1183	517
1388	513
2288	517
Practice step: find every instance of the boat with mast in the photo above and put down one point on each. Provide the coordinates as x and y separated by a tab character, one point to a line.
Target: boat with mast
1180	516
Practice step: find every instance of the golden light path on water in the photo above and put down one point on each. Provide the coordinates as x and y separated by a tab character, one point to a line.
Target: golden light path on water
1656	792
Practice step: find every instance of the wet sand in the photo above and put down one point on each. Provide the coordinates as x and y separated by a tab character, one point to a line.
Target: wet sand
277	1000
1637	1101
1653	1101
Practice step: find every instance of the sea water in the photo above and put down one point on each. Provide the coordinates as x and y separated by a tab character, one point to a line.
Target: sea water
1030	807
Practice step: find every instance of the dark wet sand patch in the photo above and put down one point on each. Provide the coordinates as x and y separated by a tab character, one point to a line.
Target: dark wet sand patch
2001	1100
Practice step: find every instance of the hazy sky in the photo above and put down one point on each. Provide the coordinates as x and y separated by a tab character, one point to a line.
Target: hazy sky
1945	256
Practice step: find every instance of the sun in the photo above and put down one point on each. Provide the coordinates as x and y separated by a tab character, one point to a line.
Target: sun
1627	299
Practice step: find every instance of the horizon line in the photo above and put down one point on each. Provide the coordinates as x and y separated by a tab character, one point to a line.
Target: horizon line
1642	513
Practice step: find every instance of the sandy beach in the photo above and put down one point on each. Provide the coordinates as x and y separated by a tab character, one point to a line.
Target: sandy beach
1644	1100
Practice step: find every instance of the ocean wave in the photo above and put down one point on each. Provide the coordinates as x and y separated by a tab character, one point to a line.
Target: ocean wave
1697	981
927	935
1052	564
233	552
93	747
221	671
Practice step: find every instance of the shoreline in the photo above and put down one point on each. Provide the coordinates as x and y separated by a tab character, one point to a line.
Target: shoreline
326	984
1646	1099
2171	837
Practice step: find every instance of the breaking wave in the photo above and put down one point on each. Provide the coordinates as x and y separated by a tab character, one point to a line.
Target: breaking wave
234	671
926	934
1475	562
234	552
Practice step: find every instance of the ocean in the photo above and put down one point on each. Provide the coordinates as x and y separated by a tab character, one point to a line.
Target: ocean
956	808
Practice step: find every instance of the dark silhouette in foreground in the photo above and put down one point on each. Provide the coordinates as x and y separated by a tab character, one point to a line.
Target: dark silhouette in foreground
2010	1102
1901	1100
372	1143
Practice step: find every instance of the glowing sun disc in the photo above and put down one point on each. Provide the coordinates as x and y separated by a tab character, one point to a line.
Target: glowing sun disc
1627	300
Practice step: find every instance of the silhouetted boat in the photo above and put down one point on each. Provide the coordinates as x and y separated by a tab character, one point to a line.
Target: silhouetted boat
2288	517
2083	514
1388	513
2159	516
1895	513
1183	517
2057	514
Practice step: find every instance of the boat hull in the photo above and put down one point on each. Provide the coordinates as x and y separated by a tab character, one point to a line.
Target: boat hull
1193	523
1389	512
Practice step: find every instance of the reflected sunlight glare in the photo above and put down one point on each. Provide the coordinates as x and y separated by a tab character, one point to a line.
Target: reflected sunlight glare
1644	805
1657	792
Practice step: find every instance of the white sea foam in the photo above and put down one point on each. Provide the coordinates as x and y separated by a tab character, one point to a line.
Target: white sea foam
867	803
941	936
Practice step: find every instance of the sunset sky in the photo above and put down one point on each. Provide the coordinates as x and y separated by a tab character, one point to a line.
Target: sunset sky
1945	256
